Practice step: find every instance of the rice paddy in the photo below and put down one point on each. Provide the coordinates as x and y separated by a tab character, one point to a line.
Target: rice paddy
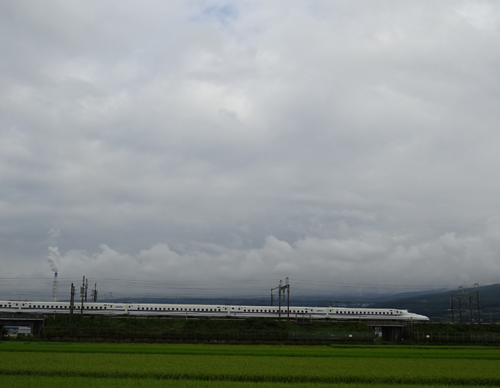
109	365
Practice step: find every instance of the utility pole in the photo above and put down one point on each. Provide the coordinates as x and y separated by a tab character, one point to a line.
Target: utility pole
281	297
71	303
94	293
476	287
452	311
82	294
460	289
470	299
287	299
86	288
279	300
272	294
470	308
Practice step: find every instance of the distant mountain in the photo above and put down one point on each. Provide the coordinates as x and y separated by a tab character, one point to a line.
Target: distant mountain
437	306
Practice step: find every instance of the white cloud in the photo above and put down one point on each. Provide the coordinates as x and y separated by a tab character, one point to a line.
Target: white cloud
251	139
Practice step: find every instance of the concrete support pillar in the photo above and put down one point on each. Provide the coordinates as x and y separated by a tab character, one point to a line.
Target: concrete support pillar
392	334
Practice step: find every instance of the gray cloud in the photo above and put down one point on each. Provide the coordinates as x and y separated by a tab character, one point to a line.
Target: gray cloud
251	140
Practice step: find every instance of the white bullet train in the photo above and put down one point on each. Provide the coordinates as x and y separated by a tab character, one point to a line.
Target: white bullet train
211	311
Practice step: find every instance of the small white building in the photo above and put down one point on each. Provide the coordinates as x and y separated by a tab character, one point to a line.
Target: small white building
18	331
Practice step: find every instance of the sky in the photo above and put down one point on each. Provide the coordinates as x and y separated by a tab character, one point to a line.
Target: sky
212	147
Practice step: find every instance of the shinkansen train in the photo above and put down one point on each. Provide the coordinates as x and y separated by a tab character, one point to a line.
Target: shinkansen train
210	311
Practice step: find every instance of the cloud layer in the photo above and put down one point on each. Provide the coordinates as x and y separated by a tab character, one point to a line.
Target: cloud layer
343	142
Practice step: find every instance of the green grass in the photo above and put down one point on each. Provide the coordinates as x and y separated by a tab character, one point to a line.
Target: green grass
253	368
58	364
86	382
356	351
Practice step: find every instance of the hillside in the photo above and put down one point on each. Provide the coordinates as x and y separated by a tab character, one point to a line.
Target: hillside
438	308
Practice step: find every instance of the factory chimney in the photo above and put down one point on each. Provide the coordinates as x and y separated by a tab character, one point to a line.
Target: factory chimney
54	288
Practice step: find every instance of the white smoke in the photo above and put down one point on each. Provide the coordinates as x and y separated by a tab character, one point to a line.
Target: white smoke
54	257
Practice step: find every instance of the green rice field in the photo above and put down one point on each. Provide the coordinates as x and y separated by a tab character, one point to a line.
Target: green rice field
44	364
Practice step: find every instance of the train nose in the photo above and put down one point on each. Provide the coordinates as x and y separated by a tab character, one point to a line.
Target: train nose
419	318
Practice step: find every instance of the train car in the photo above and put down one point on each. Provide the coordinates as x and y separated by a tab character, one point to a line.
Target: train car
210	311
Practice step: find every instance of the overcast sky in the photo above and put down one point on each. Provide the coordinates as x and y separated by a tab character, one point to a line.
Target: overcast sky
339	143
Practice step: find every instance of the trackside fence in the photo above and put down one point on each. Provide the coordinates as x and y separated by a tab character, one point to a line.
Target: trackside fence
424	337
